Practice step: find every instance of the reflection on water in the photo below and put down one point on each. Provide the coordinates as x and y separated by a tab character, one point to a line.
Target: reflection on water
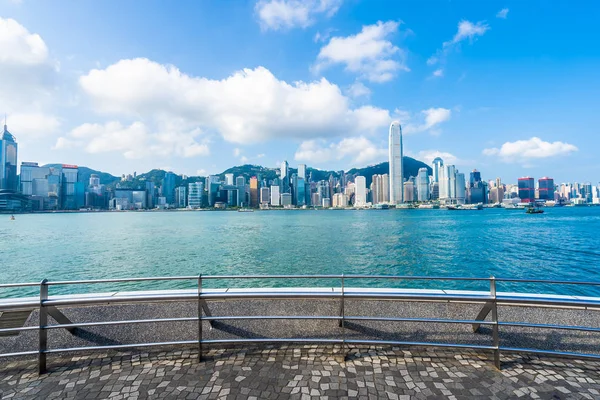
561	244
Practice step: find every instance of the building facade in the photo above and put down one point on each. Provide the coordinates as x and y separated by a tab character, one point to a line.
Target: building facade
396	164
526	189
8	161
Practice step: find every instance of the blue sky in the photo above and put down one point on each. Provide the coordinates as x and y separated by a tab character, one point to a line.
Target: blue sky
507	87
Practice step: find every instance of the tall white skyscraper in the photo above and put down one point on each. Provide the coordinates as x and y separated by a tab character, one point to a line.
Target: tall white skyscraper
396	161
360	196
229	179
422	185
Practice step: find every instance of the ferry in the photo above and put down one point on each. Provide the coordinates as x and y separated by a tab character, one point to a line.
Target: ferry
534	209
245	210
12	217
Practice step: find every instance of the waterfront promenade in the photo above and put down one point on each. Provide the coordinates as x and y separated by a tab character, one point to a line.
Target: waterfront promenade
301	372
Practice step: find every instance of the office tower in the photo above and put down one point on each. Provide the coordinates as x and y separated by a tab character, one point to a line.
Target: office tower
396	164
294	189
302	171
180	197
286	199
477	188
526	189
8	161
265	196
240	183
229	179
497	192
275	199
436	166
150	194
409	191
212	186
422	185
69	199
300	193
385	188
374	191
195	192
284	175
434	191
316	199
460	188
254	192
546	188
360	199
168	187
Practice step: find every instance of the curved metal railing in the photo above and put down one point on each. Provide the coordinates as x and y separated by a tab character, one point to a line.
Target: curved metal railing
490	300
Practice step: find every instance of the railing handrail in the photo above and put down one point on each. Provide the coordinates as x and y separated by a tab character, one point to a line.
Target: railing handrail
490	299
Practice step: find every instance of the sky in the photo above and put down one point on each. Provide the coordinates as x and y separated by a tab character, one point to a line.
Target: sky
510	88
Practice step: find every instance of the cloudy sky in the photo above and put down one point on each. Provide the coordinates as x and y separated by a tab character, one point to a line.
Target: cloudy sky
507	87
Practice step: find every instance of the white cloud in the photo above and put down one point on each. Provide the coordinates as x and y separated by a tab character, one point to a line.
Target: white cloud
288	14
426	120
438	73
530	149
244	159
237	151
33	125
427	156
201	172
27	73
250	106
466	30
357	89
359	150
502	13
368	53
133	141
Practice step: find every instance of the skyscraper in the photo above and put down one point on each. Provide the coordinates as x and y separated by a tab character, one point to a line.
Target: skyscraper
437	165
302	171
546	188
360	199
8	160
285	178
526	189
422	185
254	192
195	191
168	187
229	179
396	164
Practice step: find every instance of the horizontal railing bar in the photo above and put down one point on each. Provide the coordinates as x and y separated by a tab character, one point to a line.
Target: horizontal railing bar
11	285
432	320
120	299
19	329
551	326
271	340
420	344
515	301
251	317
417	277
124	322
92	281
590	283
119	346
21	353
550	352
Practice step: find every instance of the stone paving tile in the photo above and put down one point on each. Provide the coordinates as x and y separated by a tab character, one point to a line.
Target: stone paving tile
300	372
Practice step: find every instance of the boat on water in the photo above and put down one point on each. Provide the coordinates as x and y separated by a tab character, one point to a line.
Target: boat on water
466	207
245	210
12	217
534	209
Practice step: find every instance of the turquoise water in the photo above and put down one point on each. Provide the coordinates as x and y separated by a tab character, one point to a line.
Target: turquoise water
563	243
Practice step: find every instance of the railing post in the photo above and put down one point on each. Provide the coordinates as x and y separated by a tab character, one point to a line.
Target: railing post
343	320
199	318
495	335
43	333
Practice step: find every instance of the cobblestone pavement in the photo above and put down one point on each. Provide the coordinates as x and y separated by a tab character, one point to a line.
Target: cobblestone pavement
277	372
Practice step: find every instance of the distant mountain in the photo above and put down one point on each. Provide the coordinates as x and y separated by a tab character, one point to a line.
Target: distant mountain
411	168
85	173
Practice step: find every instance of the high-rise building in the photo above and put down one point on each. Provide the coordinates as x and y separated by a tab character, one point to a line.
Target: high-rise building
380	188
286	199
213	183
396	164
229	179
240	182
316	200
8	161
340	200
195	192
265	196
300	192
409	191
434	191
180	197
460	188
150	194
69	197
302	171
436	166
497	192
477	188
546	188
284	175
526	189
360	199
253	192
275	199
168	187
422	185
451	185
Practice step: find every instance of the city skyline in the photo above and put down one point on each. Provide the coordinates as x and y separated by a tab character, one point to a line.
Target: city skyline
138	98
